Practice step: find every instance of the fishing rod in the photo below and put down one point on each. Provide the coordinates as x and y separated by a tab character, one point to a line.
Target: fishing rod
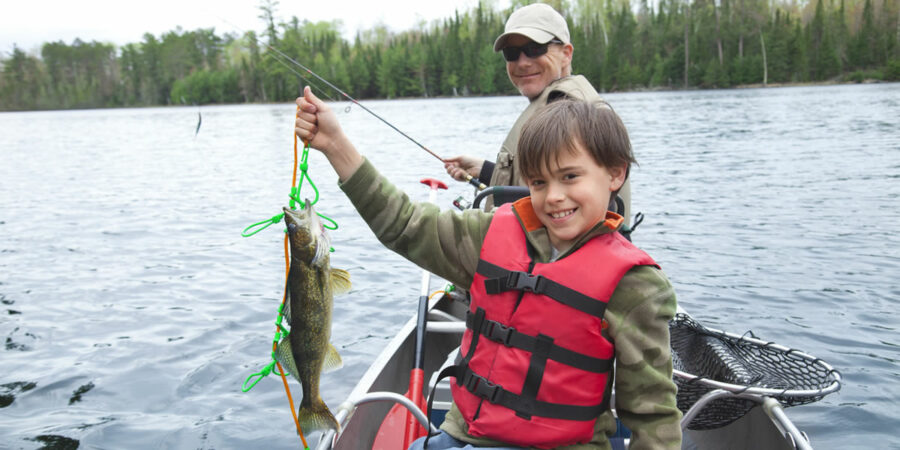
469	178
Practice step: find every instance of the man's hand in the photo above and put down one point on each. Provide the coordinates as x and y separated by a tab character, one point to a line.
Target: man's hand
460	166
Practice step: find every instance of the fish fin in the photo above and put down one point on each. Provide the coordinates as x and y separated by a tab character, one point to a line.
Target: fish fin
316	416
323	249
286	309
333	360
340	281
285	356
286	312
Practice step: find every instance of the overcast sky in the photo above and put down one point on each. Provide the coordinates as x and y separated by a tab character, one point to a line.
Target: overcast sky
30	23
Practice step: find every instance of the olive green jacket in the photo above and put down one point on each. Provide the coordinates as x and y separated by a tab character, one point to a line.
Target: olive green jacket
448	244
573	87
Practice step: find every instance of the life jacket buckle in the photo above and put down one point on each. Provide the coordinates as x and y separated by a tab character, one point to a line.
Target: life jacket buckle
525	282
498	332
494	395
470	381
481	387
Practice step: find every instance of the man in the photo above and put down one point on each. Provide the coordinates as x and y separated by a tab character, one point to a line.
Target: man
538	53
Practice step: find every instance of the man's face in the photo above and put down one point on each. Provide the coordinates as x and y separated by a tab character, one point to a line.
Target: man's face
531	75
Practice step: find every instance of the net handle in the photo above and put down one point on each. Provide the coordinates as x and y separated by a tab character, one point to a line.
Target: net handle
771	406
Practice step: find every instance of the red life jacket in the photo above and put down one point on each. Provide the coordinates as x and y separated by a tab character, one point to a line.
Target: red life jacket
534	365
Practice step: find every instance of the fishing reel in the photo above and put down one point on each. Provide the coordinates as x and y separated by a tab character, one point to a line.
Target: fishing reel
461	203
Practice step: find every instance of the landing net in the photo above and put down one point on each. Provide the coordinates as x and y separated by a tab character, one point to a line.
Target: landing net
741	364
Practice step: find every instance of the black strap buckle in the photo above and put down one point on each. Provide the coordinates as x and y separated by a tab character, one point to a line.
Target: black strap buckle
521	281
525	282
481	387
498	332
469	380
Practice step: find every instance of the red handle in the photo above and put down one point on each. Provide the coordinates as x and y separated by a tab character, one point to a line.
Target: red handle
414	429
433	184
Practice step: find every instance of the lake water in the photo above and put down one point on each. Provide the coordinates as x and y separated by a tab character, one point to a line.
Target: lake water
133	309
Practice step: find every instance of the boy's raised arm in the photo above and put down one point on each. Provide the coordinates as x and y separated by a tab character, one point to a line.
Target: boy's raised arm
317	124
446	244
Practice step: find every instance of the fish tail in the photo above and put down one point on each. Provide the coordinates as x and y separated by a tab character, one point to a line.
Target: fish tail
316	416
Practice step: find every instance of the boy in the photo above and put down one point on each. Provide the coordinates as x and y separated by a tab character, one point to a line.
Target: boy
557	295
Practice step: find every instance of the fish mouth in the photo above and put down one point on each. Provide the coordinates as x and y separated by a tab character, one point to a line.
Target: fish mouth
301	216
309	241
301	221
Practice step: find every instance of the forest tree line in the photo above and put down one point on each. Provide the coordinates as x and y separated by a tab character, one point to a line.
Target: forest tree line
619	45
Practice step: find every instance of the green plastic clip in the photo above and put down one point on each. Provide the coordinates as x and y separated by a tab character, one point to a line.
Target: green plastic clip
261	225
258	376
294	195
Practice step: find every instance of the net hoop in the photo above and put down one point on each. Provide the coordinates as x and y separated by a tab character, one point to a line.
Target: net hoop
742	365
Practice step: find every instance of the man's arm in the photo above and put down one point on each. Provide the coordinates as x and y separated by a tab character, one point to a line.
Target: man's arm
487	171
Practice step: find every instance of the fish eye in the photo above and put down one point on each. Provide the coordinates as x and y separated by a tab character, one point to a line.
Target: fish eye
292	227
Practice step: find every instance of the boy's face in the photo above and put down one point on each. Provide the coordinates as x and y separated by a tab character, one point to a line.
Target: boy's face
572	195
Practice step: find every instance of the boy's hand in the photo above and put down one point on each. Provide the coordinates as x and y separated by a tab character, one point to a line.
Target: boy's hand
458	166
317	124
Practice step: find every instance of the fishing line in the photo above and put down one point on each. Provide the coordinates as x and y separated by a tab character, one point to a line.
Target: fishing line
332	86
304	78
276	58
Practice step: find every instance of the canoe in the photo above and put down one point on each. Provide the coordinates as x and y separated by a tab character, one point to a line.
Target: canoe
722	409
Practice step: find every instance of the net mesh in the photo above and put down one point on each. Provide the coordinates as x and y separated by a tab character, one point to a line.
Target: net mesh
734	360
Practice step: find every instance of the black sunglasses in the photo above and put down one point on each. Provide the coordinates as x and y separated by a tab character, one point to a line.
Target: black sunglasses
531	50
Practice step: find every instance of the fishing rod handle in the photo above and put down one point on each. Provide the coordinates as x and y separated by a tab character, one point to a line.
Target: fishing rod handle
475	182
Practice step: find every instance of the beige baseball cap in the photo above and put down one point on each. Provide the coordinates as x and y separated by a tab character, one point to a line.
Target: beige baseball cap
538	22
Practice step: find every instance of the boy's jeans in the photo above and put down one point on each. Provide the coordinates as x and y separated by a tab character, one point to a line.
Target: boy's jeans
444	441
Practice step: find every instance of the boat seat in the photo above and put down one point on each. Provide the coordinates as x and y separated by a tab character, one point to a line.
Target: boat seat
441	322
446	327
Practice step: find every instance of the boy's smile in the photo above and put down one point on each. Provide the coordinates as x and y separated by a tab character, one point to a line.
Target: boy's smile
572	195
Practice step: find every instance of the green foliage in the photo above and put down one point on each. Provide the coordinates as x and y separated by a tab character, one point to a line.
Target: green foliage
204	86
21	83
860	76
620	45
892	72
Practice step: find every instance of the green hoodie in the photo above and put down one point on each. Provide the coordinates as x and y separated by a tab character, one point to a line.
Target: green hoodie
448	244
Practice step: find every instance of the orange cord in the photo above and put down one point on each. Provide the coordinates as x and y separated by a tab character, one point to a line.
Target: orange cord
287	263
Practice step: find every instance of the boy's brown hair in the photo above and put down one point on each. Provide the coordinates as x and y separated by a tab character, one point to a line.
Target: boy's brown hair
563	123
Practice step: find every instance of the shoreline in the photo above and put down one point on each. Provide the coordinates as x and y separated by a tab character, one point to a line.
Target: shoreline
758	86
653	89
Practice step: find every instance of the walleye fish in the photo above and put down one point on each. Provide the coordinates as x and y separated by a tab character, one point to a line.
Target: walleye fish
306	352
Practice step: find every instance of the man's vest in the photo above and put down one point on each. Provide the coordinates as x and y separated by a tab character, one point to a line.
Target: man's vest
534	363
